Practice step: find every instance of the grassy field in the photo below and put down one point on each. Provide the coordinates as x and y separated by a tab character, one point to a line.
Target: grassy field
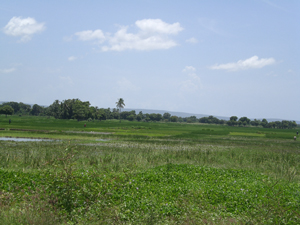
147	173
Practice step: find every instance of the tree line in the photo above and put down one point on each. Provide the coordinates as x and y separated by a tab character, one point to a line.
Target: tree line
82	110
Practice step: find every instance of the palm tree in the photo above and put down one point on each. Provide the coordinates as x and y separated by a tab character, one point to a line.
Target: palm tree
120	104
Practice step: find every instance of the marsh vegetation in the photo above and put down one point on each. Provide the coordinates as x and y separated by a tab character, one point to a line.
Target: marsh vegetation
147	173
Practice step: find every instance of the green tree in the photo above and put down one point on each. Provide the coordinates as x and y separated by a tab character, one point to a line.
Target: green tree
81	110
115	114
68	108
24	108
212	119
293	124
191	119
255	122
120	105
36	110
174	118
155	116
245	121
278	124
233	118
232	121
93	112
14	105
139	117
222	122
272	124
229	123
285	124
108	113
167	116
7	110
203	120
125	114
131	117
55	109
264	123
101	114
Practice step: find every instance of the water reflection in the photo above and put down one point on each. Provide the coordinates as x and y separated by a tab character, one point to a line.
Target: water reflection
22	139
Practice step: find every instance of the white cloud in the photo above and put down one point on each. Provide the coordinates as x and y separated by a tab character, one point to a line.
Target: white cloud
192	40
89	35
188	69
158	26
72	58
251	63
193	83
10	70
152	34
24	28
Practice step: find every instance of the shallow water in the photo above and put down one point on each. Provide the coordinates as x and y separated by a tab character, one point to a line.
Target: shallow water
22	139
102	139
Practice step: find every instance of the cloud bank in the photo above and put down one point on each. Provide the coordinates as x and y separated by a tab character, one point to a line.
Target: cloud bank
24	28
90	35
152	34
252	63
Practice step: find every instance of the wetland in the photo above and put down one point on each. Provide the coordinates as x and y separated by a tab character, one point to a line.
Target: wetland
112	172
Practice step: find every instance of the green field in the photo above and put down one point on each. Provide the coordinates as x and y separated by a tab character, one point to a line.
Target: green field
113	172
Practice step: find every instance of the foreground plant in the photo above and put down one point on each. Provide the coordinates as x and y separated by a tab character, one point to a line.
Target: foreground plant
170	192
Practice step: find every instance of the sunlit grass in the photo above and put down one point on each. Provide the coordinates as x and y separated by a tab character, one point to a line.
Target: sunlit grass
247	134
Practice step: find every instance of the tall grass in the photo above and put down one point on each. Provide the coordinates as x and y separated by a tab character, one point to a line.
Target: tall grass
278	161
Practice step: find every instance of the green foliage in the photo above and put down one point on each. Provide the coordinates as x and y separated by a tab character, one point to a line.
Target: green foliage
37	110
244	120
166	116
160	191
211	120
173	118
18	107
7	110
76	109
233	118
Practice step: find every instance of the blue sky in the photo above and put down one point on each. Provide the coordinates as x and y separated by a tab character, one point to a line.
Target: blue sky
220	58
